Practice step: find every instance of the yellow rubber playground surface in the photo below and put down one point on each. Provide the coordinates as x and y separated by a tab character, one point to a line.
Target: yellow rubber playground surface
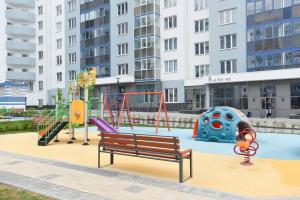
266	178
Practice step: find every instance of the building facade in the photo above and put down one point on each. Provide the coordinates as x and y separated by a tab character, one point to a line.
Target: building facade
18	44
200	53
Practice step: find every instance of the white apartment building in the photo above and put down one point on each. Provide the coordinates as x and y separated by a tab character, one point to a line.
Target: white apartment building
50	54
72	42
17	44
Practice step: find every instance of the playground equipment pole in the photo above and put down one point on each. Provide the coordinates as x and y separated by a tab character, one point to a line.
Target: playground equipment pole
70	116
57	108
86	99
101	105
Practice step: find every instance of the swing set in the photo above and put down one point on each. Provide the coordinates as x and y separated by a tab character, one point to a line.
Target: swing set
123	106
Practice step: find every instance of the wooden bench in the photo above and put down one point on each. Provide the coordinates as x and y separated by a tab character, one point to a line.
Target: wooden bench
144	146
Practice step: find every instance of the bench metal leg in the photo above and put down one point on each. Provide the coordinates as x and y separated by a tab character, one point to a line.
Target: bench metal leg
180	169
191	165
98	156
111	157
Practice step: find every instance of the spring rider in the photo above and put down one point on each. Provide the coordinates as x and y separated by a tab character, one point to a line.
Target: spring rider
246	145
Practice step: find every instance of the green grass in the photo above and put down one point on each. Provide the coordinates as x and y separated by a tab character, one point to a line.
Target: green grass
12	193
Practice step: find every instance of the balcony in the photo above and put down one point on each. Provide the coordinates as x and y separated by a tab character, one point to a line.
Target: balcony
20	76
21	3
20	61
20	46
20	31
19	16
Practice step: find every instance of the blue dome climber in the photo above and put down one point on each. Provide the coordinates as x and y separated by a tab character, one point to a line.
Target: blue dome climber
221	124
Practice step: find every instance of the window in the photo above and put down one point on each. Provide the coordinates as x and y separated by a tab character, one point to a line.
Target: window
201	25
30	86
201	70
25	70
71	5
171	95
41	55
41	40
295	95
72	58
10	69
58	60
277	4
297	28
227	16
58	10
228	66
250	35
171	44
72	75
268	32
171	66
201	48
40	10
40	25
228	41
72	40
59	77
123	28
41	70
122	49
122	8
287	29
72	23
200	4
58	27
268	4
287	3
171	22
41	86
40	102
259	6
250	8
123	69
59	43
170	3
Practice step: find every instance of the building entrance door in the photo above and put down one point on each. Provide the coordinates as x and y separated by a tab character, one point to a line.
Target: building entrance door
198	98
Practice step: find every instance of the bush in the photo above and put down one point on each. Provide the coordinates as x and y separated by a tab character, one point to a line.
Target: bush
14	126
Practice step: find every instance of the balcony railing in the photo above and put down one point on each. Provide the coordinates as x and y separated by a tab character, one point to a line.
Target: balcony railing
20	46
21	3
20	76
20	61
20	31
19	16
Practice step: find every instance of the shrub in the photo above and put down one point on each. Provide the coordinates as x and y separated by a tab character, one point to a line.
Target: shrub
13	126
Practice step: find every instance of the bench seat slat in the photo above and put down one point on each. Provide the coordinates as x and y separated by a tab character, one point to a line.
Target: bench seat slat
140	137
139	148
130	152
144	143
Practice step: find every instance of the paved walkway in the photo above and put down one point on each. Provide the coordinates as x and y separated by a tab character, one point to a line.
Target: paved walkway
61	180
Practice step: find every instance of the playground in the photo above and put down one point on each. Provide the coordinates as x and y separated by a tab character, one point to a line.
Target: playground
223	152
215	165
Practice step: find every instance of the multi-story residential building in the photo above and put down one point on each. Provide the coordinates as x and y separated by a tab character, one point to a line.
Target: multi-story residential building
50	37
17	28
72	42
247	47
95	39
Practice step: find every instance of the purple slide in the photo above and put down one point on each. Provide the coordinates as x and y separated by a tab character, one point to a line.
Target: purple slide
102	125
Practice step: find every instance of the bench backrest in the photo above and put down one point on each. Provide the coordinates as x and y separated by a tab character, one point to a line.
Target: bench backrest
141	144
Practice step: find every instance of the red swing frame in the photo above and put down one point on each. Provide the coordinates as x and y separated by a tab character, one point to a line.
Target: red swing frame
125	105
